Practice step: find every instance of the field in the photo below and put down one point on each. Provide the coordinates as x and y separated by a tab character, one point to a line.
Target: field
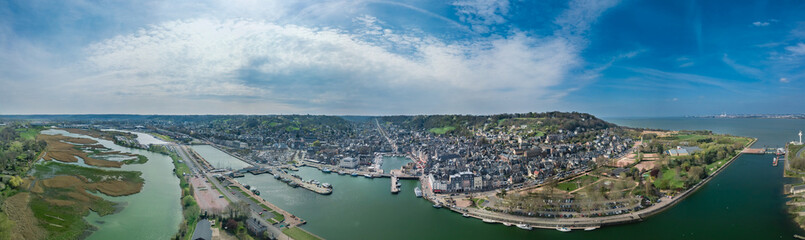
299	234
163	137
442	130
576	183
671	179
28	133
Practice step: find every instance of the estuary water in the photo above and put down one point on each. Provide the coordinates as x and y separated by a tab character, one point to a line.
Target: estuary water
153	213
745	201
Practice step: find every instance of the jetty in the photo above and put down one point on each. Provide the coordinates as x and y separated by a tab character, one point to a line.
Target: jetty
395	188
296	181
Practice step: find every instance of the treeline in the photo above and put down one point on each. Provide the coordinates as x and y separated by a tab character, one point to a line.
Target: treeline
548	121
16	152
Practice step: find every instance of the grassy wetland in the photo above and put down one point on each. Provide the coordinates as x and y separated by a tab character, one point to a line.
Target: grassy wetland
76	177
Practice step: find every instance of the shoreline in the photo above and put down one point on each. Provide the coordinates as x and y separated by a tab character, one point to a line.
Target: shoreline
582	223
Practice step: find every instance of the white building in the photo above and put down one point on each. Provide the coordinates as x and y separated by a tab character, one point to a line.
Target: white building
348	162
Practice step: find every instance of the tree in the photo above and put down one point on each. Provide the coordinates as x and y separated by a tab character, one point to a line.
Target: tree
15	181
188	201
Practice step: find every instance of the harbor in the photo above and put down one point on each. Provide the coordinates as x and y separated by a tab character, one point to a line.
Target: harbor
372	205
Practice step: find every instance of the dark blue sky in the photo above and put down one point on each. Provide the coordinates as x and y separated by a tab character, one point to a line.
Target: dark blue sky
610	58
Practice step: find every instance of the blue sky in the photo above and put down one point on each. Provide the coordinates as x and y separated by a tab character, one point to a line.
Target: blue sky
606	57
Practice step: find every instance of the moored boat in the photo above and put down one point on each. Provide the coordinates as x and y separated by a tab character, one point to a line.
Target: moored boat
563	229
465	215
368	175
590	228
437	205
488	220
524	226
418	192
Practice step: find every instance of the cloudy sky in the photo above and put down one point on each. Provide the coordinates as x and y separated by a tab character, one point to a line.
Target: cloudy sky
606	57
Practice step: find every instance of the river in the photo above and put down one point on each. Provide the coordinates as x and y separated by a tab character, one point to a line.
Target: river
153	213
745	201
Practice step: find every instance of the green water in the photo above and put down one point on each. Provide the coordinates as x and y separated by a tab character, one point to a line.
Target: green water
391	163
219	159
154	213
743	202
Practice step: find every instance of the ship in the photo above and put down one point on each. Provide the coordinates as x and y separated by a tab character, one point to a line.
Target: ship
418	192
590	228
507	224
437	205
326	170
354	174
775	161
489	220
563	229
524	226
368	175
465	215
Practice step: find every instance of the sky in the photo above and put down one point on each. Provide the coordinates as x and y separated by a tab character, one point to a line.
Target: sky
611	58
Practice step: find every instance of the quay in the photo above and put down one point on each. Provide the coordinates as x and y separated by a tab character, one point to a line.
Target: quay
394	187
293	180
375	174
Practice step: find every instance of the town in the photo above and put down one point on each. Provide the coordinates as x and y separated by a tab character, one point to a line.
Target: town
464	154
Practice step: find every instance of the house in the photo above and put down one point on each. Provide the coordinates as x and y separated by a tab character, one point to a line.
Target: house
683	151
254	226
203	230
797	189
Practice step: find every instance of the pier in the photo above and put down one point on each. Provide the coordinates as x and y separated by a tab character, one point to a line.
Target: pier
767	150
394	182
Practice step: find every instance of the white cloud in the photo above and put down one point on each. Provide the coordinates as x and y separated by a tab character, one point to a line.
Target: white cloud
761	24
256	59
743	69
482	13
220	57
581	14
798	49
784	80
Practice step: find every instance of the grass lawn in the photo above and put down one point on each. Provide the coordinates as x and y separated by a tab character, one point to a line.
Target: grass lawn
672	178
181	168
568	186
479	201
711	168
163	137
442	130
575	183
28	133
299	234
